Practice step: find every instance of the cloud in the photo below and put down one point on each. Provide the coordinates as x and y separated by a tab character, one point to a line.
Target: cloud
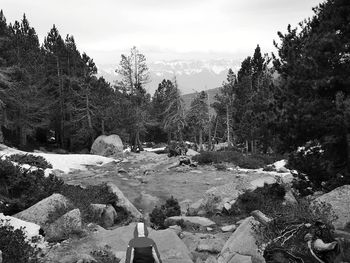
163	27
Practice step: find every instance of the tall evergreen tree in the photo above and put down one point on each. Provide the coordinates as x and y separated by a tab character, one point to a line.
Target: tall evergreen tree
314	63
134	73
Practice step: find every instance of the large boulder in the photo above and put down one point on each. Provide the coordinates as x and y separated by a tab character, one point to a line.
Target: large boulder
339	200
68	224
170	246
30	229
47	210
107	145
242	242
123	201
105	215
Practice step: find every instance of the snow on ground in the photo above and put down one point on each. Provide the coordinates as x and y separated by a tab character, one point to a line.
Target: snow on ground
63	162
154	149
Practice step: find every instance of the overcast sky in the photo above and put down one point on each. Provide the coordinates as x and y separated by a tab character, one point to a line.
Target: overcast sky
163	29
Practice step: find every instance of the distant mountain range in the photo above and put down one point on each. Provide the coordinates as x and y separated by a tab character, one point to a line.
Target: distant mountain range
191	75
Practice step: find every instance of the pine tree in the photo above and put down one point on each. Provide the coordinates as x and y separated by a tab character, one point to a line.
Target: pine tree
197	116
134	73
313	100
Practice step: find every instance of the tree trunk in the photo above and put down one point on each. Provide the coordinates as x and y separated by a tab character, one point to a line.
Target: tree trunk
61	104
1	135
137	141
209	135
180	134
247	146
216	127
200	140
228	126
23	137
103	127
348	151
252	146
169	137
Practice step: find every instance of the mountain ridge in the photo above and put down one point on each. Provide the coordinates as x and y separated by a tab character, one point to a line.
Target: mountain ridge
191	75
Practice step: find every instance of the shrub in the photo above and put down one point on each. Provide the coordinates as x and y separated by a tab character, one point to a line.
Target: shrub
314	170
159	214
157	217
284	236
264	198
21	188
237	158
14	246
82	198
30	159
104	255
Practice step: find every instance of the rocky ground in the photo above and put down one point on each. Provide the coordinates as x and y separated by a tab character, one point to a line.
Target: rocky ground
148	179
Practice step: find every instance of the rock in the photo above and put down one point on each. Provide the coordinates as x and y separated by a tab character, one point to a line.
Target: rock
147	202
177	229
191	240
217	196
185	206
65	226
211	259
229	228
202	221
194	208
48	209
199	260
105	215
123	201
240	259
242	241
191	152
182	169
107	145
339	200
289	197
57	172
260	182
211	245
282	170
77	258
30	229
170	247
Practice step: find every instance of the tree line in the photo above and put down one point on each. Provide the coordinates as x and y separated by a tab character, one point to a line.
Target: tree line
272	103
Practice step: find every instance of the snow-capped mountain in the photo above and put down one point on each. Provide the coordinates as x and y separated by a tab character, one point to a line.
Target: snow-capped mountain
191	75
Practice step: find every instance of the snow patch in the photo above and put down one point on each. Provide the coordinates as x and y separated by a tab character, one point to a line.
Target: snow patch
63	162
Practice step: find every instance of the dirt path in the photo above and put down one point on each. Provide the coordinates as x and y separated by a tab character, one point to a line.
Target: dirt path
146	179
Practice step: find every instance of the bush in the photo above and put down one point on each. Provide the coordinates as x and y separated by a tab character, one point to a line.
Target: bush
30	159
21	188
264	198
82	198
314	170
159	214
242	160
104	255
285	234
14	246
